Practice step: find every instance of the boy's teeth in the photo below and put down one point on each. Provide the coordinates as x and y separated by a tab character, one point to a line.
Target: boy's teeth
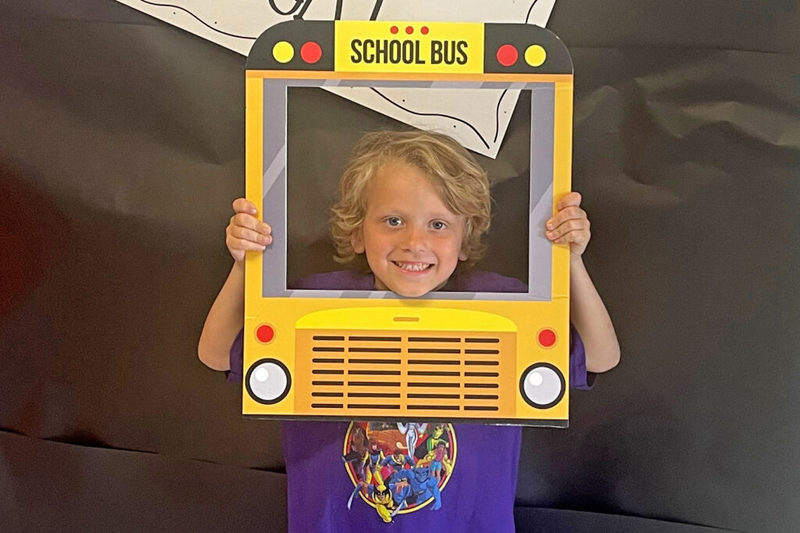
415	267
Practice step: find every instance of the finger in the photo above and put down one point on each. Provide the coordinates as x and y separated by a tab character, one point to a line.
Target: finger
579	237
566	215
245	234
243	205
579	225
572	199
250	222
238	245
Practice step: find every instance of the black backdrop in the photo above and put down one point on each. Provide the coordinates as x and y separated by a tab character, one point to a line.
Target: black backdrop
121	147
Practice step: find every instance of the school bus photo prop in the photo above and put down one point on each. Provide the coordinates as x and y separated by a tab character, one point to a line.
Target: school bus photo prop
369	354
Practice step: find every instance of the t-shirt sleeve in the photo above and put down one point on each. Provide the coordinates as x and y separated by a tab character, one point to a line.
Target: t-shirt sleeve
236	359
579	378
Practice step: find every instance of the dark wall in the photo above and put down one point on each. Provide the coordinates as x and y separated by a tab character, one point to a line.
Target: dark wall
121	148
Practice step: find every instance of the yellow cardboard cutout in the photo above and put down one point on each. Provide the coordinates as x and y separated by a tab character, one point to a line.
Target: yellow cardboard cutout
490	357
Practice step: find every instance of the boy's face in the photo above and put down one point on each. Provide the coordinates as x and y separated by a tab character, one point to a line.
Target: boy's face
412	241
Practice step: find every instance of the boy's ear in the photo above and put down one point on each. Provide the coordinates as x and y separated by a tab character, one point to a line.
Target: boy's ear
462	255
357	241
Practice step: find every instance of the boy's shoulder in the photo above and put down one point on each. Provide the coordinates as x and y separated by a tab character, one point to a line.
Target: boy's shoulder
337	280
482	281
467	281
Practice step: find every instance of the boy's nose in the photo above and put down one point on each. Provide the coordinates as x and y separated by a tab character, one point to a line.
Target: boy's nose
414	239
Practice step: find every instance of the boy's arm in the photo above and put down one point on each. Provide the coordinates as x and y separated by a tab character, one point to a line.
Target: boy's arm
590	318
224	320
588	313
226	316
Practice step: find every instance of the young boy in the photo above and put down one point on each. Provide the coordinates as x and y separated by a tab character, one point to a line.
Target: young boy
415	205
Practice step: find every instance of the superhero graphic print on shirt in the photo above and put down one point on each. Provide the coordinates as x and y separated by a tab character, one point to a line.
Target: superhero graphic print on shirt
399	467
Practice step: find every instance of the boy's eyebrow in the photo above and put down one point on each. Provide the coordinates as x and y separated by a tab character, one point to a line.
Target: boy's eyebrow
391	210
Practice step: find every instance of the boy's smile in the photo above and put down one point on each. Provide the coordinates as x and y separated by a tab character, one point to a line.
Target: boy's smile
412	241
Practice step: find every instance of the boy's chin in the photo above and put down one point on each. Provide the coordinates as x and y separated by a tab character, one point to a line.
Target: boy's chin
408	292
411	294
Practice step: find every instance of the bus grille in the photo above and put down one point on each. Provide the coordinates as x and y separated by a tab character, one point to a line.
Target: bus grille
442	374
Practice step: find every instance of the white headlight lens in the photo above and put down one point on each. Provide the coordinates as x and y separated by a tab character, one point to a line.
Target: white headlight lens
268	381
542	385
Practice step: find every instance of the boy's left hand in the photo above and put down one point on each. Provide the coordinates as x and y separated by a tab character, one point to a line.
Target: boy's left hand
570	225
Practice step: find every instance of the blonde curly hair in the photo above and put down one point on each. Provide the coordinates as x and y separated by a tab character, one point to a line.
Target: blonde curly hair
461	181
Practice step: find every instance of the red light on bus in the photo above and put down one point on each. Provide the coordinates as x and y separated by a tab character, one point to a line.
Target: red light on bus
311	52
547	337
507	55
265	333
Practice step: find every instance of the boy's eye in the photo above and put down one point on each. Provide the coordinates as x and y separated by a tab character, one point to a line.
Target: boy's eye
394	221
438	225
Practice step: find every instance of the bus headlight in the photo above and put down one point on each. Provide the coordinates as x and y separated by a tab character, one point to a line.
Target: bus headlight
542	385
268	381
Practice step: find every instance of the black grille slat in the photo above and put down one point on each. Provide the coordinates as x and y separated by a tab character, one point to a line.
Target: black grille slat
361	338
375	361
373	394
373	372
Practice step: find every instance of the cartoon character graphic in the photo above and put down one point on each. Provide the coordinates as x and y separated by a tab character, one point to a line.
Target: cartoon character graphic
412	431
398	461
357	454
405	480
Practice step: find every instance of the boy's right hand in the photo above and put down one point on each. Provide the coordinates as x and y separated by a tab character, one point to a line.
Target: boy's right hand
245	231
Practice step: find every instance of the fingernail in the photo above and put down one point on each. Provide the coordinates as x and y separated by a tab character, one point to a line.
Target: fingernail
549	225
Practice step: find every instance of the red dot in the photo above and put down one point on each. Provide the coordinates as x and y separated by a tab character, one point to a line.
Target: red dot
311	52
424	30
547	337
394	29
409	30
507	55
265	333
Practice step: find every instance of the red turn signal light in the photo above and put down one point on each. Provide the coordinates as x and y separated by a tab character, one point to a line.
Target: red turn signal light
547	338
265	333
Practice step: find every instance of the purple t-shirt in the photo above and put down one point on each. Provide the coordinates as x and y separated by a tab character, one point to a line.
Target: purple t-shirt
403	477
